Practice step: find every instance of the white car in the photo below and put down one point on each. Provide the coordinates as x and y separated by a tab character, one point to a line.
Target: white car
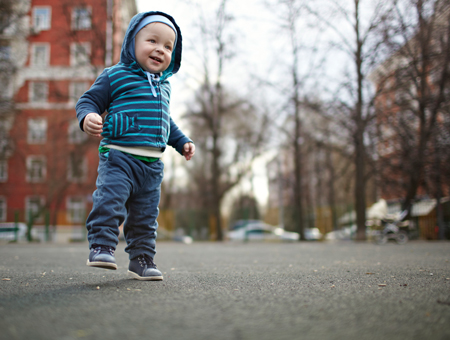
313	234
262	232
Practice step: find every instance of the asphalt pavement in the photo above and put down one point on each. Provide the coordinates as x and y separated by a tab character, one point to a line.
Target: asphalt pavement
251	291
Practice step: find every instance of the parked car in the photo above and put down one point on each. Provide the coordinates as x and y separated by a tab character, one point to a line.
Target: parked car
312	234
261	232
242	223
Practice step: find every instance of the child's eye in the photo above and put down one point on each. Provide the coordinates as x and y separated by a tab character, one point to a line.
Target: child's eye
152	41
169	47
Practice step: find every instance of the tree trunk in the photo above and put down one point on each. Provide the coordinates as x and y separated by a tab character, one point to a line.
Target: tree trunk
299	225
360	183
216	199
331	191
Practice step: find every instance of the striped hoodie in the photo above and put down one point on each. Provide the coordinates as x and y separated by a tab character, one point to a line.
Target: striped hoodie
138	113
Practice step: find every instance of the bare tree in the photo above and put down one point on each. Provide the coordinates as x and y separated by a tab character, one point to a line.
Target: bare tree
415	84
358	39
228	131
300	70
293	10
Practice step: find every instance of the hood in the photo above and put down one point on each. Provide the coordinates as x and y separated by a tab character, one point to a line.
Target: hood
127	58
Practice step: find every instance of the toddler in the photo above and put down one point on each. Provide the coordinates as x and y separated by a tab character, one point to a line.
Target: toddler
136	130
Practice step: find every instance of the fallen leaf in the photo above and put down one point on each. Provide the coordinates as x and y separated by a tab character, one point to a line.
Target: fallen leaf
382	285
6	279
370	273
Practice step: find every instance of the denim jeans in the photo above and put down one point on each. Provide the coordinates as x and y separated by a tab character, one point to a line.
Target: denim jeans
128	190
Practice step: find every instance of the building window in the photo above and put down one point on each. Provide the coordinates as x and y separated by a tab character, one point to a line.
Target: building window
76	210
40	54
2	209
34	206
80	54
37	131
36	169
38	92
76	90
6	72
77	168
76	135
81	18
42	18
5	51
3	171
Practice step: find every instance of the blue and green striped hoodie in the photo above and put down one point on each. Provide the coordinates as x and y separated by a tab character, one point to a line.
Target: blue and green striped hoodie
137	115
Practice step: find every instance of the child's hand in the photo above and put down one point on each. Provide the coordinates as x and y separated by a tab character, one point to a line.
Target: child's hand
93	124
188	150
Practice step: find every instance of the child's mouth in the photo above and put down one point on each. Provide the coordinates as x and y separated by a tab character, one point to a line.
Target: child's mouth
156	59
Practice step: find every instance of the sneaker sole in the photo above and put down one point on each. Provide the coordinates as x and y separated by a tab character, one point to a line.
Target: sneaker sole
105	265
144	278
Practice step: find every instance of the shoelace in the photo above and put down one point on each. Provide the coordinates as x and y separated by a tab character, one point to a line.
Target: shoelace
152	77
104	248
147	260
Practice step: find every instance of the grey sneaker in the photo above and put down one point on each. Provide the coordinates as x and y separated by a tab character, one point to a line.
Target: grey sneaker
143	268
102	257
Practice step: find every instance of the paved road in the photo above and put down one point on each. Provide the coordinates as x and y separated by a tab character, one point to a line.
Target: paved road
230	291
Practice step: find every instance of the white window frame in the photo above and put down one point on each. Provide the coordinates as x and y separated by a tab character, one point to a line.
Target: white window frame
34	87
34	56
80	54
76	209
83	168
75	134
31	176
37	131
3	171
3	209
31	206
80	23
76	90
45	24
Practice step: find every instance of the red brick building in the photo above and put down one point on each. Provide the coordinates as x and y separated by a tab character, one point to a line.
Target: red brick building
51	167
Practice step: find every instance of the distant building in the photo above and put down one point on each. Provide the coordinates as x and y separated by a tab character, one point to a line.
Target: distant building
47	164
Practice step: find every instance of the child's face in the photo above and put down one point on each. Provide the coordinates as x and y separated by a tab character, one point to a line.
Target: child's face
154	45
